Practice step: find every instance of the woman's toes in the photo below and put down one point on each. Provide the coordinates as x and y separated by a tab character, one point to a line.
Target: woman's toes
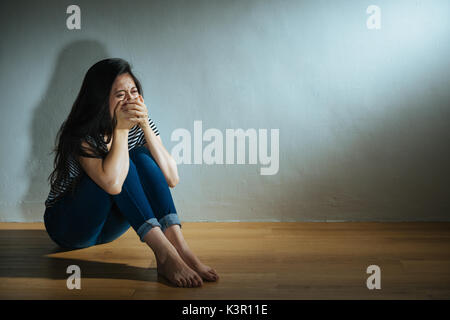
207	275
194	282
199	280
212	276
215	274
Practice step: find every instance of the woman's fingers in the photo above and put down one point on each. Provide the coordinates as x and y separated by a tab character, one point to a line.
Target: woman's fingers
137	113
133	108
119	104
134	111
141	103
134	119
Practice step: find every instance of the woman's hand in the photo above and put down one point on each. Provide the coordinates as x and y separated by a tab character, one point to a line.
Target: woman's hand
124	120
137	111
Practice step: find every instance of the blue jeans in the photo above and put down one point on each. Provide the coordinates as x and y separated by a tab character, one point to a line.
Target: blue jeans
92	216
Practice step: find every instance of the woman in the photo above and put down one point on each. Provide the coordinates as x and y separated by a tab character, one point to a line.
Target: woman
112	171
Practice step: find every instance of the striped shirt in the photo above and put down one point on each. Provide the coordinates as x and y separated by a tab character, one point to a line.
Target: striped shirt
136	138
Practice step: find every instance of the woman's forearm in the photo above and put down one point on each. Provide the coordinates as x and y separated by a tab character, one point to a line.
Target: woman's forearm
164	159
116	163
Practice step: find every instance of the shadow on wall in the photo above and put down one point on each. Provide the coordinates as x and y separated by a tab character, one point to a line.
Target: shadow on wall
54	107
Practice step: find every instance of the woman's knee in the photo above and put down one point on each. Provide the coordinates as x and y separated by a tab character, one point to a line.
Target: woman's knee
144	162
142	153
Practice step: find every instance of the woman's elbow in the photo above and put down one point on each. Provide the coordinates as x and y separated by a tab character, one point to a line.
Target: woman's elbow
173	182
113	188
174	179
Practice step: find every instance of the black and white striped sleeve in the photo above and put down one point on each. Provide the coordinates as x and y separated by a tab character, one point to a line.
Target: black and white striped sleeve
153	126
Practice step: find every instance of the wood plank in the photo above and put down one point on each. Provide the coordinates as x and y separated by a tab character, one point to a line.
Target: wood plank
255	260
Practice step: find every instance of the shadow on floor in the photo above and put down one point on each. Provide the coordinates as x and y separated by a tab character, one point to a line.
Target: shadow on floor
23	253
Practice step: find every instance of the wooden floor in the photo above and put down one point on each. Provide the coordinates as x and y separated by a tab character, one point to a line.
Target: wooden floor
254	260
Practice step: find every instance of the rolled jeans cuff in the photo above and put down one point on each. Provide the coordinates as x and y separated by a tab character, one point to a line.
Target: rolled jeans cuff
168	220
146	226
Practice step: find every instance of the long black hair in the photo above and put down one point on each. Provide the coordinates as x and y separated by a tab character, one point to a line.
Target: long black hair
89	119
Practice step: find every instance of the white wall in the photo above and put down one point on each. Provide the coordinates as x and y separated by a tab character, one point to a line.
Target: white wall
363	114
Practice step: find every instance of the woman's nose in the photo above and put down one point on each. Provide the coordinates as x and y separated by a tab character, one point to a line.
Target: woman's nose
129	96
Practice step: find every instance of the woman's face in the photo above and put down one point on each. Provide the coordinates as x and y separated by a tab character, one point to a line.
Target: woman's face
123	88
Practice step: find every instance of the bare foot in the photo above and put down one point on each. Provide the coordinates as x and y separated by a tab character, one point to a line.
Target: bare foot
174	235
206	272
176	271
169	263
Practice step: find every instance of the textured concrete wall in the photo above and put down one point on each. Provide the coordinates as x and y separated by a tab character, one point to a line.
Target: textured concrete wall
363	115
